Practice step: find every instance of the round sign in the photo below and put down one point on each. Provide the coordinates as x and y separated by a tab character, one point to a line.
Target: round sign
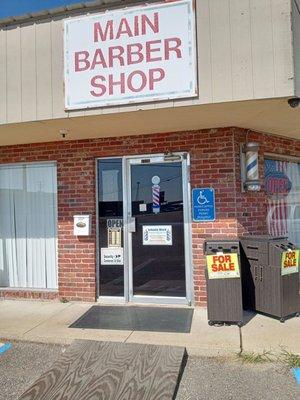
277	183
155	180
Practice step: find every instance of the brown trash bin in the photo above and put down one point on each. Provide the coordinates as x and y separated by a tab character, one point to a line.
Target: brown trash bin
223	278
269	287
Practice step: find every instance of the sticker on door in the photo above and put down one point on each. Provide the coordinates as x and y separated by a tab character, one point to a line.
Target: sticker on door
157	235
111	256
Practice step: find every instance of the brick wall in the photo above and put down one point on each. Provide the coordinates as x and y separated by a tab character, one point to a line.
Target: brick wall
214	162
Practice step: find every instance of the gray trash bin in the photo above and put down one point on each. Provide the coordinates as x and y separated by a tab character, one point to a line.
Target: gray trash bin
268	286
223	278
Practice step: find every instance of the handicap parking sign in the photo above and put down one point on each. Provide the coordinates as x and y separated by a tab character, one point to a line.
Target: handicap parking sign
204	208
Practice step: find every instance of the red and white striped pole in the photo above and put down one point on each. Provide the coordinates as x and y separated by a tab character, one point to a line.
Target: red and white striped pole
155	194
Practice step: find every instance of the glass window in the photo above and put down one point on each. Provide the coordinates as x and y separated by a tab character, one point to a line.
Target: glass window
110	197
282	185
28	226
157	203
169	178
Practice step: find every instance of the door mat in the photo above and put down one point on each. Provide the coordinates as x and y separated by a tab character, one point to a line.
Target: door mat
153	319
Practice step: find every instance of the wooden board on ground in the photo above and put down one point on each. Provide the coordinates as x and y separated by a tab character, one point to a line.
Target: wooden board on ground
111	371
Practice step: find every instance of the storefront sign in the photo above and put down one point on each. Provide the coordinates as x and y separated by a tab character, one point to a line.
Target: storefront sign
222	266
112	256
157	235
204	208
132	55
290	262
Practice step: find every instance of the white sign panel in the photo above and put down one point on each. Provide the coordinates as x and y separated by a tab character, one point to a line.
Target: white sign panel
131	55
157	235
112	256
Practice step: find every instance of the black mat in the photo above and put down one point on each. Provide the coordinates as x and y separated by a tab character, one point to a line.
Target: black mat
154	319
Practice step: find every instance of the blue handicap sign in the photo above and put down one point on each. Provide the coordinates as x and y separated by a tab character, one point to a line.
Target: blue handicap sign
204	208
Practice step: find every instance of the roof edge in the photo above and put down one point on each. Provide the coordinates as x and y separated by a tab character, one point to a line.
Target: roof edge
93	5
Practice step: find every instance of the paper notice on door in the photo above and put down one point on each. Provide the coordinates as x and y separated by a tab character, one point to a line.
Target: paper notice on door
111	256
143	207
157	235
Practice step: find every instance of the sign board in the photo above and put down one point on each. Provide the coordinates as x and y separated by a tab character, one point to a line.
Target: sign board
290	262
131	55
112	256
204	208
157	235
82	225
114	223
223	266
277	183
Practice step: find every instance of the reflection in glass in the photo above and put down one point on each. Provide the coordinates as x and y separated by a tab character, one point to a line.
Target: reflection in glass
282	186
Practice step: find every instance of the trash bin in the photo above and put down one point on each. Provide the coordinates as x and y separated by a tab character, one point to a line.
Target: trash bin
270	275
223	278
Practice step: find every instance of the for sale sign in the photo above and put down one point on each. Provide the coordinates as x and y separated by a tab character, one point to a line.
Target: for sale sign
290	262
131	55
222	266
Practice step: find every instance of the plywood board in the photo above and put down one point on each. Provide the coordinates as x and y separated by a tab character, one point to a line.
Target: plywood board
111	371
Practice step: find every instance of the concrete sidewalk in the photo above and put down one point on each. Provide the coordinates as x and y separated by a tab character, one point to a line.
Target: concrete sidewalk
48	322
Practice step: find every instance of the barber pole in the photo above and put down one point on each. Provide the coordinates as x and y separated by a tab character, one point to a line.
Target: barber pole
155	195
252	165
252	173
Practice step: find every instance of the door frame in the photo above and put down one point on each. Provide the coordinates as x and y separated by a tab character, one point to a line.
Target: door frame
128	291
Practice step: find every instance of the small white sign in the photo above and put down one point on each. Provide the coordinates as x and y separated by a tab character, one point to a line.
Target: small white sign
143	207
157	235
112	256
82	225
155	180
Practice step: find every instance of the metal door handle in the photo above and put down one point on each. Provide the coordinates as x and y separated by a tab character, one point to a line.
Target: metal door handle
255	273
261	274
131	224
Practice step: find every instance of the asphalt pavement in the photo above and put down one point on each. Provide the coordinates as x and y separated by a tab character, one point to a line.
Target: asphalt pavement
22	364
229	379
216	378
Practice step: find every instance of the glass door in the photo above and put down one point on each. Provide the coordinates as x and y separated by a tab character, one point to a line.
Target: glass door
156	229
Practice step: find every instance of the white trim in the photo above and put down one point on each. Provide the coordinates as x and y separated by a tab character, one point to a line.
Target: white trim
156	300
281	157
27	289
111	300
18	164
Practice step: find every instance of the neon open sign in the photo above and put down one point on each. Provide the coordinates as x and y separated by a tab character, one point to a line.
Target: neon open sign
277	183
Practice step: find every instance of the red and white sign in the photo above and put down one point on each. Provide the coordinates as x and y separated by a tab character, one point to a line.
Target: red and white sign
131	55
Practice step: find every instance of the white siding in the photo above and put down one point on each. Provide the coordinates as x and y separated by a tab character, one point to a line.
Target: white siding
28	77
3	77
244	52
13	76
296	38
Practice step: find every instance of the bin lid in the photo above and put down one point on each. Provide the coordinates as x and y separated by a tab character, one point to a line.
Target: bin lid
222	239
262	238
